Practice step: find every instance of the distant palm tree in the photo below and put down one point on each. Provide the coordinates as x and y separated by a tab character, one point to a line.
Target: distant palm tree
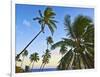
49	41
45	19
34	58
45	60
25	53
78	47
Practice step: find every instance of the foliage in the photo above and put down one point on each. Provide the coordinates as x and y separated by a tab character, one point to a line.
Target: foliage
78	47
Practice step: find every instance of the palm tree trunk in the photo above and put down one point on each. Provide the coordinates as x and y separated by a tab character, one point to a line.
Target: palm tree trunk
41	66
28	44
33	65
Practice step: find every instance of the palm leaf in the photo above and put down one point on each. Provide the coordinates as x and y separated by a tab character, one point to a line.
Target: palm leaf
80	24
40	13
53	23
49	12
51	28
68	27
69	42
58	44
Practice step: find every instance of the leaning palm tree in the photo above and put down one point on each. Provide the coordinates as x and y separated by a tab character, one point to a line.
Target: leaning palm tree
45	19
34	58
49	41
25	53
77	48
45	60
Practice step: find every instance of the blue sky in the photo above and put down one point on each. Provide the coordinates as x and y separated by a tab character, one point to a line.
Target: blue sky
26	28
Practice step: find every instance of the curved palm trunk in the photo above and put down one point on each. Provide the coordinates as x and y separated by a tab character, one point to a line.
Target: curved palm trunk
28	44
43	67
33	65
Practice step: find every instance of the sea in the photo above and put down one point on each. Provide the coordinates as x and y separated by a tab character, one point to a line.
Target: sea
43	70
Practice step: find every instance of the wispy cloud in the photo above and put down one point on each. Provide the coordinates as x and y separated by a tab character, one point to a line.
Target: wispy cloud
26	23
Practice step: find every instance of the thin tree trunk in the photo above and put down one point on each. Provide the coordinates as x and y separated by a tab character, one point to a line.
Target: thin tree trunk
28	44
41	66
33	65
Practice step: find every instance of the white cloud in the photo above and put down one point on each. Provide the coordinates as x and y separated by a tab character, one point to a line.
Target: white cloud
26	23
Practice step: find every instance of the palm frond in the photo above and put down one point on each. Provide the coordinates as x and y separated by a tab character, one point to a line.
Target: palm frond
69	42
49	12
80	23
68	27
58	44
53	23
51	28
40	13
66	60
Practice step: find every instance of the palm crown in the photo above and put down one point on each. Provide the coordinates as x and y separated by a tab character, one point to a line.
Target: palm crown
46	57
34	57
25	53
78	47
47	18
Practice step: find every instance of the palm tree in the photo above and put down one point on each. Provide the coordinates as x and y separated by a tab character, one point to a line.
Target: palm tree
25	53
49	41
45	19
45	60
34	58
77	48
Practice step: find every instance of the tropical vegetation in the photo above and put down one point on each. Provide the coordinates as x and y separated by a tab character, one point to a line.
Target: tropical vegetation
45	60
34	58
24	54
77	47
45	19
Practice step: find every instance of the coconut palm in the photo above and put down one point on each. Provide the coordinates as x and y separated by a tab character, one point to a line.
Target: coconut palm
25	53
77	48
45	60
49	41
45	19
34	58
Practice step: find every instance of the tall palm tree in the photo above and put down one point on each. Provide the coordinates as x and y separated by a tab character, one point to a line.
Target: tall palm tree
25	53
78	47
45	60
45	19
34	58
49	41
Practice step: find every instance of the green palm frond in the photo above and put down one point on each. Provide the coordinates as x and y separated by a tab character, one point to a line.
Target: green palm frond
49	12
58	44
88	35
66	60
79	25
47	19
49	40
40	13
25	53
81	40
51	28
68	27
63	49
52	22
34	57
46	57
